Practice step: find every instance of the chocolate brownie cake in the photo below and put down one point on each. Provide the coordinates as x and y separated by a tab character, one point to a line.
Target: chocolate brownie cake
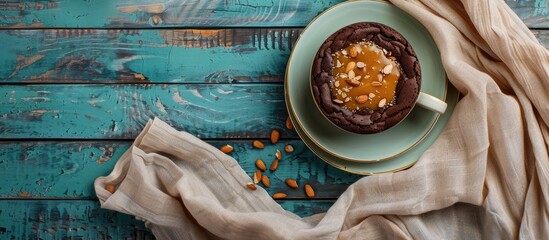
366	77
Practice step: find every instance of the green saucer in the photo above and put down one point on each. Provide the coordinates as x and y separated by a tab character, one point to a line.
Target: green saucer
397	163
340	143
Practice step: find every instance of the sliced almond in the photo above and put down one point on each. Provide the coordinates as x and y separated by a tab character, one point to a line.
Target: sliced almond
343	75
352	82
251	186
351	74
258	144
350	66
344	95
362	99
336	83
344	52
291	183
274	165
110	187
289	124
279	195
278	154
275	135
227	149
376	84
371	95
257	176
289	148
337	101
260	165
347	99
360	65
387	69
353	52
380	78
309	191
338	64
382	103
265	181
346	90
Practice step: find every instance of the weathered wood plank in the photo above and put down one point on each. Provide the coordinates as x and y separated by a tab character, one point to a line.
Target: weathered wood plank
67	169
121	111
160	56
194	13
57	219
147	13
84	219
534	13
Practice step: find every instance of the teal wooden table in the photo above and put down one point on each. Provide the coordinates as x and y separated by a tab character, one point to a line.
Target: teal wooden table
79	80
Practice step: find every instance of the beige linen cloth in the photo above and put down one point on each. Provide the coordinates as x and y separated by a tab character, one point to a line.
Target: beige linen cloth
487	175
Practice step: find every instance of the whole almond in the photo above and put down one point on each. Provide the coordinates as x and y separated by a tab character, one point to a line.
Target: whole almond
353	52
291	183
289	124
279	195
260	165
289	148
258	144
265	181
362	99
352	82
275	135
350	66
110	187
278	154
227	148
274	165
309	191
251	186
257	176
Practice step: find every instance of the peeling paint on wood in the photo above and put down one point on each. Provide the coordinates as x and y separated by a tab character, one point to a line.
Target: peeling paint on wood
194	13
84	219
121	111
137	56
67	170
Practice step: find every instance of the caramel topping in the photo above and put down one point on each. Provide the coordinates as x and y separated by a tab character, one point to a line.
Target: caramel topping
364	77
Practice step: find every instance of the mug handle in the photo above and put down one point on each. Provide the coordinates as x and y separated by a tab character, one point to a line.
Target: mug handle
431	103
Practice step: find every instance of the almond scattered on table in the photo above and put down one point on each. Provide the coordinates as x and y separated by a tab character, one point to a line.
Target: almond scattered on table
309	191
260	165
258	144
289	124
265	180
289	148
110	187
279	195
291	183
227	148
278	154
275	135
274	165
257	176
251	186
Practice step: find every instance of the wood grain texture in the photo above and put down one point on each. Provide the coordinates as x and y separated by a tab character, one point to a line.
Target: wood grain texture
84	219
148	13
157	56
121	111
138	56
193	13
534	13
66	170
